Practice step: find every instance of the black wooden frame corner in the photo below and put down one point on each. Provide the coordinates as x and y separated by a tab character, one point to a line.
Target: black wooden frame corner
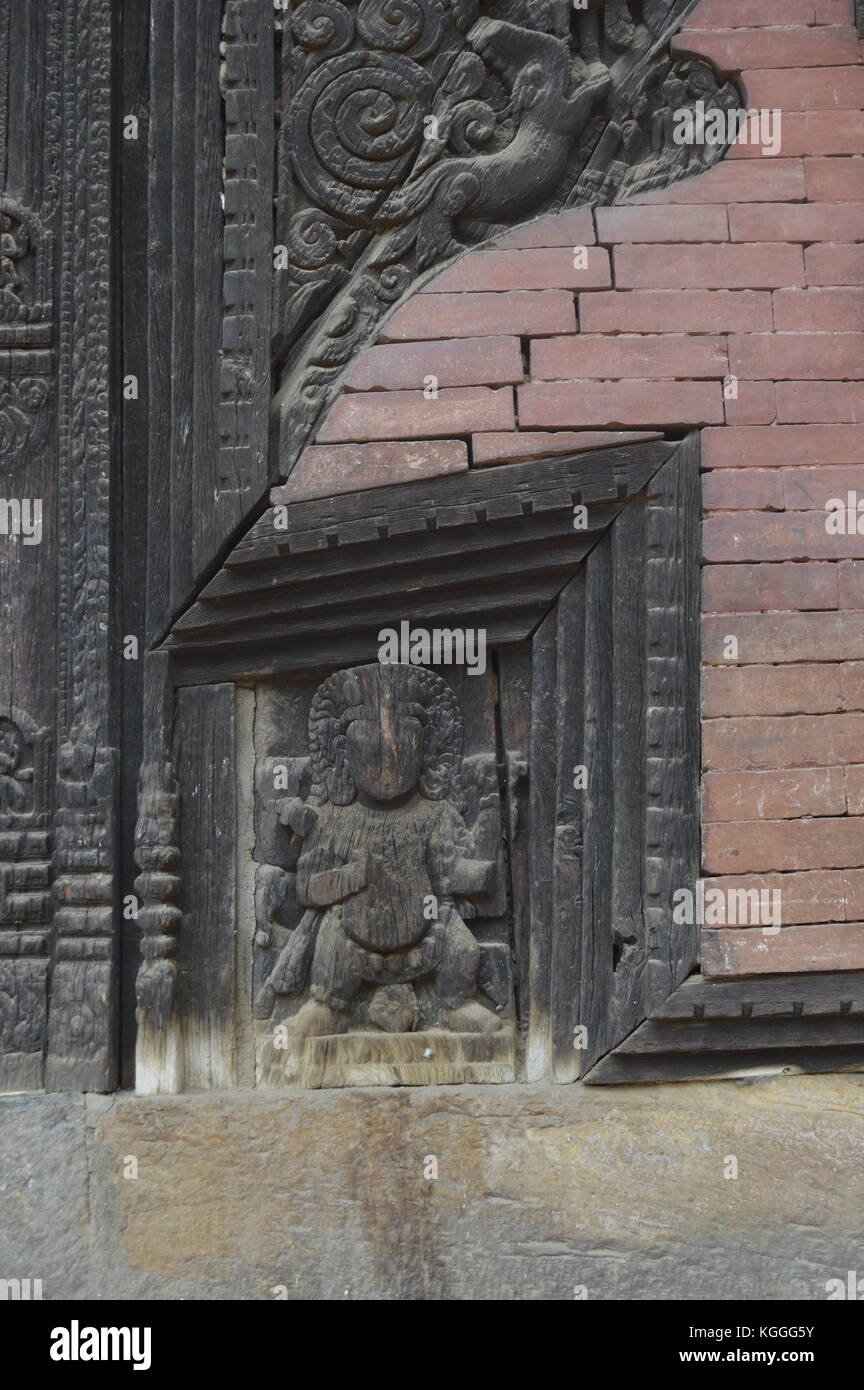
728	1029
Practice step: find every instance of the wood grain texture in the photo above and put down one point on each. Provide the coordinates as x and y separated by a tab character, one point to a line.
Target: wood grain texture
614	779
642	833
206	1001
410	1059
131	557
514	699
672	595
209	278
158	1056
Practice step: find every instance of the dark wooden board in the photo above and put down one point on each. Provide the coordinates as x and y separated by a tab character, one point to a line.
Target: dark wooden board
571	869
514	696
133	79
206	993
209	282
783	1023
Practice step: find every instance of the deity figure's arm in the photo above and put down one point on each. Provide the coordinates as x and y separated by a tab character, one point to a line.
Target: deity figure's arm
298	815
323	876
334	885
456	870
472	877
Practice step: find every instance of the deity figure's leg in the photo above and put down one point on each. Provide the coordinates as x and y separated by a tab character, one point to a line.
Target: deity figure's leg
447	994
335	977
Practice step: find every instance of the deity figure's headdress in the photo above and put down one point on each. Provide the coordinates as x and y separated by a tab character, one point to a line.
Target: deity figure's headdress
357	694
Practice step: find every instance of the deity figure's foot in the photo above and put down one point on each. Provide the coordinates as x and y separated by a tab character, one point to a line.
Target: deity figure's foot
472	1018
393	1009
314	1020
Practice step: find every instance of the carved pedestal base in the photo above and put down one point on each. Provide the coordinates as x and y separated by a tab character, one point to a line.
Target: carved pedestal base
430	1058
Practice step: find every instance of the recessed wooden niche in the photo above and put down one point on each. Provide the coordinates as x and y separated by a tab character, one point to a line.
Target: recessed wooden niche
396	873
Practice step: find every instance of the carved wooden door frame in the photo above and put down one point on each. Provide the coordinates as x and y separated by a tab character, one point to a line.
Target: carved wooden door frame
583	572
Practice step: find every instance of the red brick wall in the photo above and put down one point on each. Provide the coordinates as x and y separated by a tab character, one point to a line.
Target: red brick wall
755	271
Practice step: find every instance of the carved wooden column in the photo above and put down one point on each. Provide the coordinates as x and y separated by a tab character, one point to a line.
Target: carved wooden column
82	1036
56	793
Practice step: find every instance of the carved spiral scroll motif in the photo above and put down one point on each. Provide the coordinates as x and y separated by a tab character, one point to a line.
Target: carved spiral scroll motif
358	125
322	25
398	26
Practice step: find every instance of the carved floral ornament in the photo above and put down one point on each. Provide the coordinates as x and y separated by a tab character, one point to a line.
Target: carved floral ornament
414	129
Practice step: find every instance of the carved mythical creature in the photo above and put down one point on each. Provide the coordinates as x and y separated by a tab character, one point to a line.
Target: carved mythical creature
552	96
385	865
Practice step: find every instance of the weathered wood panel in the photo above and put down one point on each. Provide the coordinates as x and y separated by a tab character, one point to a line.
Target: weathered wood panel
158	1057
206	993
713	1028
210	275
614	770
133	409
514	695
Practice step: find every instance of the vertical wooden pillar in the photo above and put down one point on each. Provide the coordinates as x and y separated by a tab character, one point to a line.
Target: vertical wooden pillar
57	759
82	1022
